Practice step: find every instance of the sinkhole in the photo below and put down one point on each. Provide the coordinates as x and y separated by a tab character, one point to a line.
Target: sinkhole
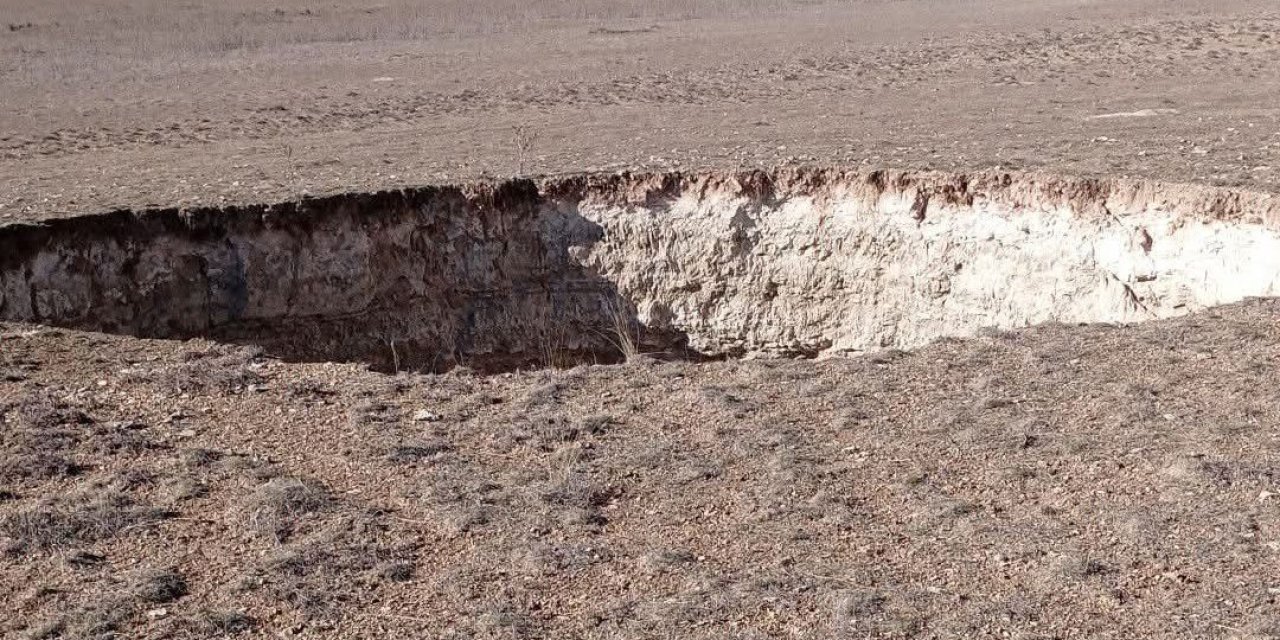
595	268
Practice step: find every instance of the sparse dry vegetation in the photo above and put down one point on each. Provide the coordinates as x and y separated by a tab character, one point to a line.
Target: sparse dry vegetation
882	497
523	140
79	519
278	505
158	585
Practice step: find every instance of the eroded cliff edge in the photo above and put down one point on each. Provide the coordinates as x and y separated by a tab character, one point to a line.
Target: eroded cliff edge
583	268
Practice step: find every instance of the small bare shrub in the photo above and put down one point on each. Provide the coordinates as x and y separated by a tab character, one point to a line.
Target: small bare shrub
547	559
277	505
523	139
552	349
542	395
44	413
303	574
82	559
411	453
506	619
220	623
200	457
596	424
219	370
464	498
39	466
397	571
668	560
578	500
158	585
551	432
309	390
78	520
46	629
374	412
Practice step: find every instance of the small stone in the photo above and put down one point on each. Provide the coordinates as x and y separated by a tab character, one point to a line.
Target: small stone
84	559
422	415
1266	495
157	613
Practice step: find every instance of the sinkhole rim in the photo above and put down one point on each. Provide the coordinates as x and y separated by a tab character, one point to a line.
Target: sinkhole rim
76	272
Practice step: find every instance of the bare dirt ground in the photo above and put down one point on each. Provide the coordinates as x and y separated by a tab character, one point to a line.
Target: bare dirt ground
112	103
1054	482
1048	483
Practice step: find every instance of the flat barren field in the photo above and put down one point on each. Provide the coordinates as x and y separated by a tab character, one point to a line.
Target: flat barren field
640	319
111	103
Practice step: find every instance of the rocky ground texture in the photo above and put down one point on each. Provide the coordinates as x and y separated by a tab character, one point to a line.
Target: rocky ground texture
1060	481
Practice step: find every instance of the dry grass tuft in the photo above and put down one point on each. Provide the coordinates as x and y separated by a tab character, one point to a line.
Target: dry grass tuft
432	450
221	369
277	505
218	623
625	332
158	585
522	139
77	520
39	466
350	551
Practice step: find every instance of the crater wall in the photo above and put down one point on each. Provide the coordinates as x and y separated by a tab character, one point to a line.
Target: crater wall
593	267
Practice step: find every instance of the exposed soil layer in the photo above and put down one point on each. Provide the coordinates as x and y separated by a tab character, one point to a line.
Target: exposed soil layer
597	267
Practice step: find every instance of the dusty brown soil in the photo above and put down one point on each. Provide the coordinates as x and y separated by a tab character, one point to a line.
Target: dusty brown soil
1056	482
147	102
1053	482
